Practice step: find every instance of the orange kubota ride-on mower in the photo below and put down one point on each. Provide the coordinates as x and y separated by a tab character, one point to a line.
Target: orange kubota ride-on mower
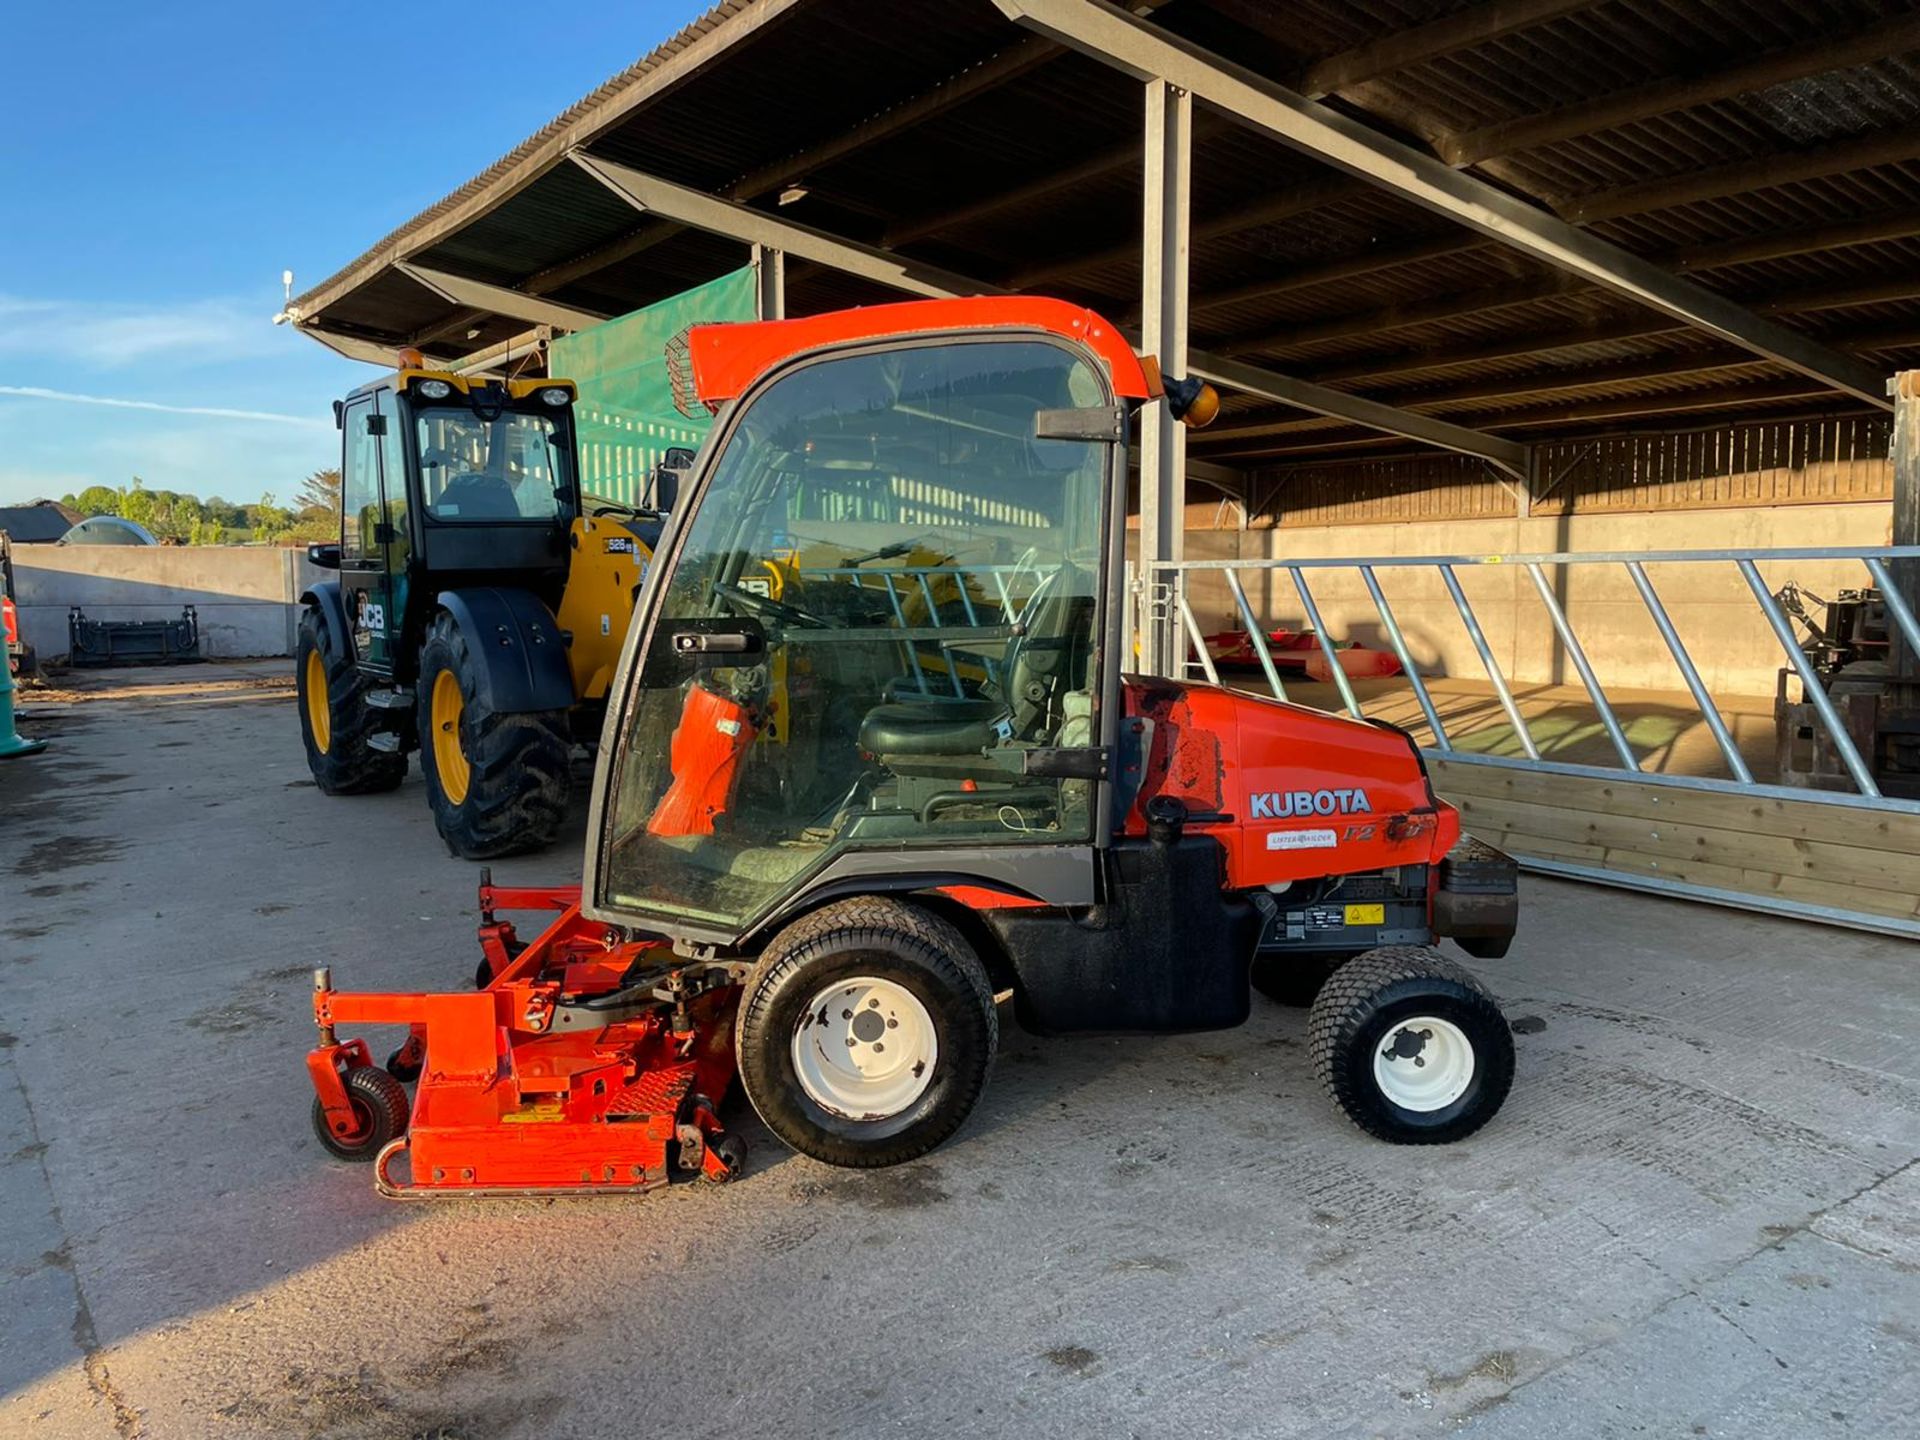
871	761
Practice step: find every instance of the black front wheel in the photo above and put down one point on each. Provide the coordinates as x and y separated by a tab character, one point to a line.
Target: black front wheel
1411	1046
865	1032
498	782
335	722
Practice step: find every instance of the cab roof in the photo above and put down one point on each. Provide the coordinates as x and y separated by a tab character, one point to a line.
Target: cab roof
726	359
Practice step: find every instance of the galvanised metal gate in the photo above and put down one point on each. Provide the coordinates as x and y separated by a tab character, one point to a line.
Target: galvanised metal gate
1879	889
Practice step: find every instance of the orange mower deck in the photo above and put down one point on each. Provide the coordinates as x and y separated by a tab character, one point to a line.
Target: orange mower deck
579	1068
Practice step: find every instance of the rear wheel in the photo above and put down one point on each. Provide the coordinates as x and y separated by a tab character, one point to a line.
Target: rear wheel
335	721
1411	1046
865	1033
498	783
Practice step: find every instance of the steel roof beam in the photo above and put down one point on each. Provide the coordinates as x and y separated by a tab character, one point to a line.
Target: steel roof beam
1504	347
1099	165
1509	455
1146	52
1351	267
1534	382
1400	49
1680	92
355	347
498	299
1297	199
1747	249
1429	310
1763	172
527	342
754	227
718	216
637	241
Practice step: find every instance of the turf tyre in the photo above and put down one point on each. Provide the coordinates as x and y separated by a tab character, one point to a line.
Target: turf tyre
1360	1008
892	940
379	1103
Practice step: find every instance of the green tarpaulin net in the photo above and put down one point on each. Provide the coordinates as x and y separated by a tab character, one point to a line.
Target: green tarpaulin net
625	418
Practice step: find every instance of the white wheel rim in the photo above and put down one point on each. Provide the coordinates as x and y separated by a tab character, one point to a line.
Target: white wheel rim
1423	1063
865	1049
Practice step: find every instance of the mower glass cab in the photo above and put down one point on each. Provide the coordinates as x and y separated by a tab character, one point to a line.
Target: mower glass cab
880	611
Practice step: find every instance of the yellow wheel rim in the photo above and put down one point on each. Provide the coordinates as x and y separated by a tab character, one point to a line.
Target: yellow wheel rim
319	718
449	760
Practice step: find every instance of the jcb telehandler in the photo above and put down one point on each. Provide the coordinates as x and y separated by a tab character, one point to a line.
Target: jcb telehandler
479	610
808	867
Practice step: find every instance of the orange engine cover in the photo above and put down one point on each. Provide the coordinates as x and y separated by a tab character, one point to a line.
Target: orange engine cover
1292	793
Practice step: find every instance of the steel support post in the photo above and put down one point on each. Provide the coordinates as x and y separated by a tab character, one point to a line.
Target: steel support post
1905	389
769	283
1163	314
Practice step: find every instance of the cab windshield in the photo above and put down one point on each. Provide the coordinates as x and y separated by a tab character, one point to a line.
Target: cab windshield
887	595
506	468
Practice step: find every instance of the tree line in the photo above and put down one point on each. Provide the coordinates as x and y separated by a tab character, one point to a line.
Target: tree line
179	519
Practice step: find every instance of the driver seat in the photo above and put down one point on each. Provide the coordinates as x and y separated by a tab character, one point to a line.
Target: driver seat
932	727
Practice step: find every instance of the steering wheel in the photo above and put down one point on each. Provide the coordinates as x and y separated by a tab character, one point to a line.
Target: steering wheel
766	607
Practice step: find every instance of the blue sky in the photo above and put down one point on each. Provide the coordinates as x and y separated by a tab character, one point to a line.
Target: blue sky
165	163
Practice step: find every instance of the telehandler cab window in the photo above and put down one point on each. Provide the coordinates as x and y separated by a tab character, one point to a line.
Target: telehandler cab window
886	596
473	468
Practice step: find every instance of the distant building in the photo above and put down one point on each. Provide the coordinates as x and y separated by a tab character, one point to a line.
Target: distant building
40	523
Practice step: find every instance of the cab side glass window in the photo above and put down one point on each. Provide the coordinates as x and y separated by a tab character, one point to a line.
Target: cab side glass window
359	483
393	464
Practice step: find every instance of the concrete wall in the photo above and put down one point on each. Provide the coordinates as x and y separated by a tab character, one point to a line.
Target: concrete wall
1711	605
244	596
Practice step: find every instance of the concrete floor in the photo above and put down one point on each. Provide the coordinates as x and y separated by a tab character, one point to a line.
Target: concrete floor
1699	1213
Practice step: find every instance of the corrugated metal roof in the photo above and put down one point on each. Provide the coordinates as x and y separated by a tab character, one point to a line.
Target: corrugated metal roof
1033	177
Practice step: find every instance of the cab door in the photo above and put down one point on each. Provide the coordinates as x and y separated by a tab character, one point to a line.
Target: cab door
373	548
878	633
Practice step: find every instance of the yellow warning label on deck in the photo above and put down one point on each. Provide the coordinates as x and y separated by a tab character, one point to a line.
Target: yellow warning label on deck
1366	914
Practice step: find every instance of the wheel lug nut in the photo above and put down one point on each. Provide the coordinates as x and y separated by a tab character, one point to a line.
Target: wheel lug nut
893	1024
877	1046
846	1014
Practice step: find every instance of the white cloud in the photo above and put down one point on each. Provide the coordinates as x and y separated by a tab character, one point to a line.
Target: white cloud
36	392
110	335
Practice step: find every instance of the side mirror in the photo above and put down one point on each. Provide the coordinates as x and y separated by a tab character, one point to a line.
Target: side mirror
665	482
327	556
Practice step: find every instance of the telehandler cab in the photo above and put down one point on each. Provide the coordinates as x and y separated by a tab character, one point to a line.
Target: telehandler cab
480	606
871	763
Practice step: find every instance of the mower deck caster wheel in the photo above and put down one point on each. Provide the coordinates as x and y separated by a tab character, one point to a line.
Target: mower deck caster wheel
379	1107
402	1069
730	1151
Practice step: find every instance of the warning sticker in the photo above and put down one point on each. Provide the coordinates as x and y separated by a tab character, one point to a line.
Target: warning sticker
1302	840
1366	915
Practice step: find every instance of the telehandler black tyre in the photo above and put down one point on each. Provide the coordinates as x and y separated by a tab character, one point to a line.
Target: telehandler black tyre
865	1032
1411	1046
335	722
498	783
379	1104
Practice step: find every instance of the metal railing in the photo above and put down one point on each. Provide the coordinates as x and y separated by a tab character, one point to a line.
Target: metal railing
985	597
1162	600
